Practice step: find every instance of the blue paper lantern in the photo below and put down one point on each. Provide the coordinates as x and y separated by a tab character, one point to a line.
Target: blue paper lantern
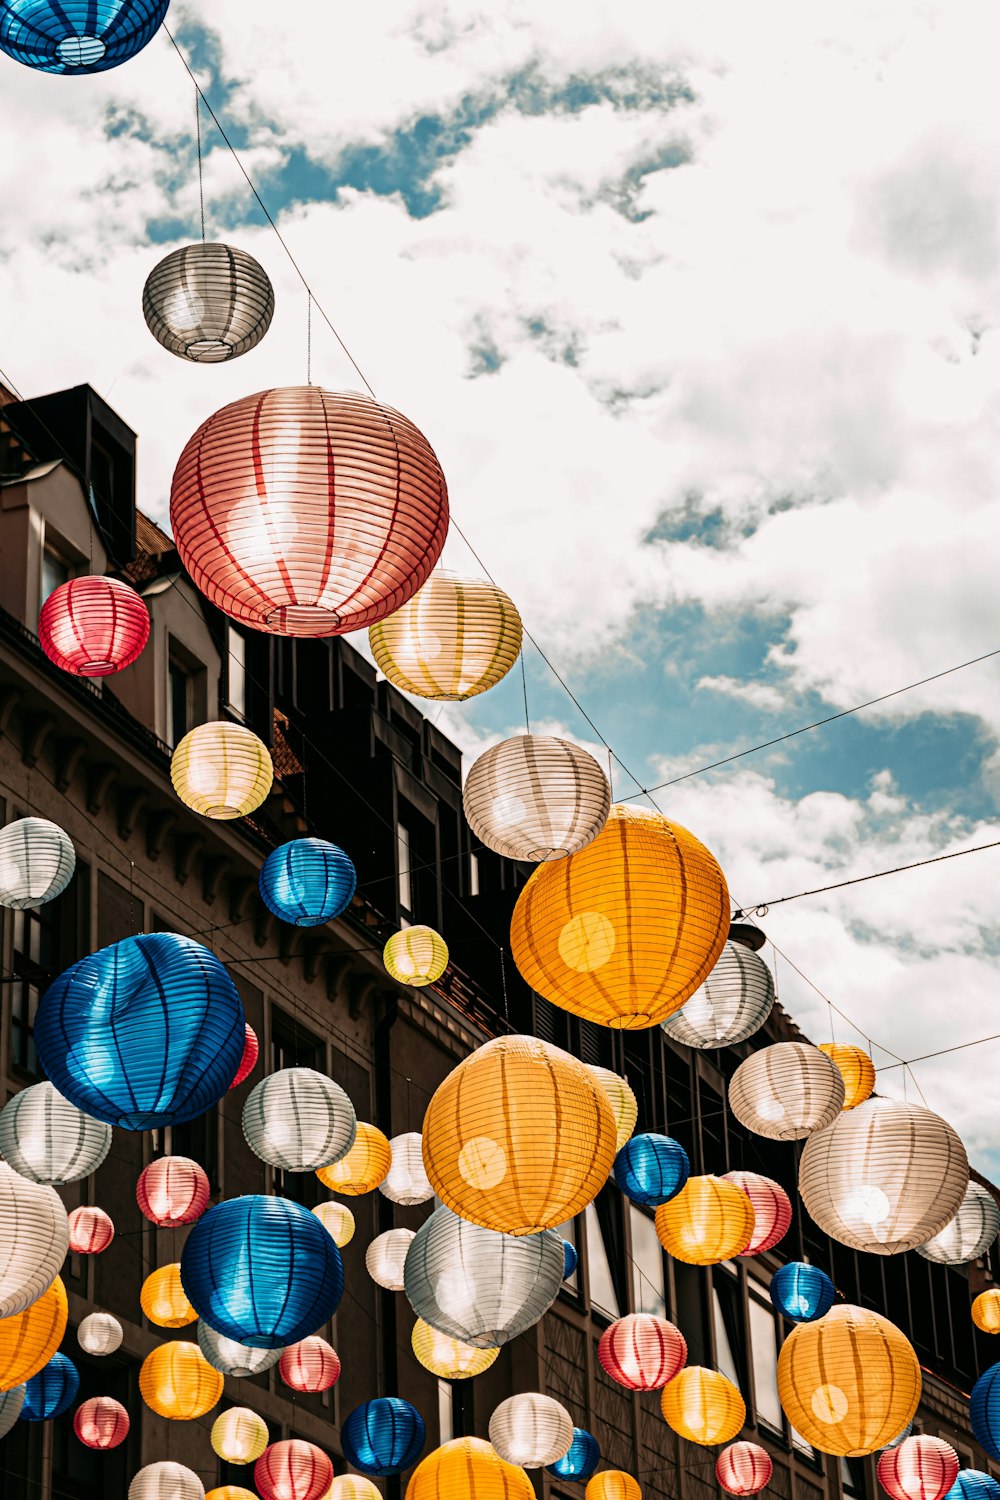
802	1292
581	1458
52	1391
145	1033
570	1259
77	36
984	1411
649	1169
262	1271
307	882
973	1484
384	1436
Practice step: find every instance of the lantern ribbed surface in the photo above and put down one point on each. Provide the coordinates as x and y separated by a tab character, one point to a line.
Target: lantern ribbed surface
362	1168
176	1381
651	1168
973	1484
90	1230
406	1181
884	1177
310	1365
856	1068
920	1468
208	302
338	1221
163	1300
92	627
580	1459
100	1334
37	861
786	1091
384	1436
984	1411
448	1358
986	1311
455	638
230	1357
172	1190
11	1403
77	36
708	1221
251	1052
292	1470
519	1137
385	1258
34	1237
232	1492
733	1003
570	1259
416	956
624	1105
531	1430
703	1406
536	797
470	1468
744	1469
306	512
166	1481
307	882
239	1435
352	1487
47	1139
101	1423
642	1352
298	1120
221	771
849	1382
772	1209
969	1234
478	1286
613	1484
29	1339
52	1391
625	931
802	1292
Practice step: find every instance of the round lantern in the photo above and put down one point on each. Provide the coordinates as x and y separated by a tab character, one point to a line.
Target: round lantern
884	1177
744	1469
100	1334
235	1492
232	1358
352	1487
535	797
626	931
239	1435
650	1168
303	512
222	771
11	1403
177	1381
570	1259
172	1190
47	1139
849	1382
93	627
338	1221
251	1052
969	1234
624	1105
802	1292
855	1067
71	36
297	1275
386	1257
448	1358
531	1430
34	1237
786	1091
703	1406
146	1033
101	1423
310	1365
986	1311
612	1484
37	860
478	1286
455	638
208	302
642	1352
920	1468
383	1436
362	1168
307	882
709	1220
90	1230
580	1459
298	1120
406	1181
973	1484
52	1391
772	1209
163	1301
166	1481
470	1468
984	1411
519	1137
733	1003
416	956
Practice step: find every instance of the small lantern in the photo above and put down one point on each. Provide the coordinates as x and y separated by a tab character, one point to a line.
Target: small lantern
352	1487
338	1221
292	1470
208	302
101	1423
100	1334
642	1352
52	1391
531	1430
37	860
986	1311
307	882
772	1209
580	1459
385	1258
984	1411
90	1230
298	1120
176	1381
455	638
93	627
416	956
166	1481
537	798
310	1365
703	1406
163	1300
383	1437
47	1139
172	1190
744	1469
856	1069
470	1468
613	1484
221	770
448	1358
802	1292
239	1435
969	1234
651	1168
624	1105
732	1004
406	1181
362	1168
232	1358
708	1221
786	1091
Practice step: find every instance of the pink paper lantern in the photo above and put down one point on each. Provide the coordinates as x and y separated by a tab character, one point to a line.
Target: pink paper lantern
90	1230
771	1206
172	1190
642	1352
310	1365
919	1468
101	1423
292	1470
93	626
743	1468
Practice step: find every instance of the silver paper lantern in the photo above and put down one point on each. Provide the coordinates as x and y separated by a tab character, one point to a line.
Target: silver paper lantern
100	1334
298	1120
406	1182
37	860
11	1403
786	1091
47	1139
208	303
531	1430
969	1234
166	1481
536	797
732	1004
385	1258
232	1358
34	1238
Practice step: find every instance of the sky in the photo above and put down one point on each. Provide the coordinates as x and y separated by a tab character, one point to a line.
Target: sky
699	306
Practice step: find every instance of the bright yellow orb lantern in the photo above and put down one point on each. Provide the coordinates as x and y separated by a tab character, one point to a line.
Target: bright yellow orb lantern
708	1221
985	1311
416	956
703	1406
612	1484
29	1339
239	1435
233	1492
519	1137
856	1068
363	1168
624	1105
221	770
352	1487
338	1221
164	1300
850	1382
469	1468
448	1358
177	1381
455	638
623	932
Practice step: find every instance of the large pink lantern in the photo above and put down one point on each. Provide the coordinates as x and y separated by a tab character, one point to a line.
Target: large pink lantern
771	1206
292	1470
918	1468
172	1190
642	1352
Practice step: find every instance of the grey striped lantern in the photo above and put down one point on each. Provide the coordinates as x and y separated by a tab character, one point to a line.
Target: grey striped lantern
298	1120
37	860
47	1139
208	303
34	1238
536	797
969	1234
786	1091
732	1004
11	1403
883	1177
406	1181
531	1430
232	1358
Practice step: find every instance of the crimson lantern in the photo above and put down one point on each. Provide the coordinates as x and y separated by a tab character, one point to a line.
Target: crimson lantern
310	1365
251	1052
90	1230
101	1423
771	1206
920	1468
93	626
743	1468
292	1470
642	1352
172	1190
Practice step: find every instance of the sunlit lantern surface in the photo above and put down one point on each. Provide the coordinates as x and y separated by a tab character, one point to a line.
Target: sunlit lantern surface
536	797
338	1221
732	1004
849	1382
570	1259
856	1069
626	930
166	1481
362	1168
406	1181
786	1091
239	1435
100	1334
448	1358
92	627
802	1292
47	1139
531	1430
416	956
163	1300
29	1339
613	1484
172	1190
470	1468
986	1311
298	1120
304	512
984	1411
90	1230
234	1492
920	1468
52	1391
101	1423
519	1137
651	1168
703	1406
884	1177
708	1221
11	1403
642	1352
580	1459
969	1234
177	1381
34	1237
221	770
385	1258
455	638
772	1209
973	1484
310	1365
384	1436
77	36
624	1105
230	1357
251	1052
208	302
307	882
37	860
743	1469
352	1487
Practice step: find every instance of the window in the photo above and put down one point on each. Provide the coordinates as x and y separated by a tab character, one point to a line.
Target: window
568	1232
102	472
446	1414
180	708
852	1478
236	672
55	571
46	939
602	1286
727	1324
292	1046
403	862
764	1353
647	1265
473	874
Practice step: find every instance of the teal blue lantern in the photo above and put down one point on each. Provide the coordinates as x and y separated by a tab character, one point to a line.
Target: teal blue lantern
580	1459
307	882
973	1484
52	1391
384	1436
802	1292
650	1169
984	1411
77	36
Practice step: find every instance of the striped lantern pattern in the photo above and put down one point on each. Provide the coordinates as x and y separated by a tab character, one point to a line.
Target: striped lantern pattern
221	770
732	1004
78	36
177	1381
292	1470
310	1365
642	1352
47	1139
984	1411
93	626
531	1430
251	1052
416	956
163	1299
239	1435
786	1091
986	1311
352	1487
651	1168
703	1406
448	1358
707	1222
230	1357
383	1436
455	638
208	302
34	1238
29	1339
535	797
100	1334
856	1069
172	1190
307	882
166	1481
37	861
385	1258
11	1404
744	1469
802	1292
613	1484
969	1234
236	1492
973	1484
883	1177
298	1120
101	1423
919	1468
362	1168
308	513
469	1468
772	1209
338	1221
52	1391
90	1230
580	1459
624	1104
406	1181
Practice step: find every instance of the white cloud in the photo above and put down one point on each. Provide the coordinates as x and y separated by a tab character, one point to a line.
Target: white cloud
758	694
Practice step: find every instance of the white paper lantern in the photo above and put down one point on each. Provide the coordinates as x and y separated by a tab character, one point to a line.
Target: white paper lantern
100	1334
166	1481
536	797
386	1257
338	1221
732	1004
232	1358
786	1091
47	1139
10	1408
406	1182
969	1234
34	1238
531	1430
298	1120
37	860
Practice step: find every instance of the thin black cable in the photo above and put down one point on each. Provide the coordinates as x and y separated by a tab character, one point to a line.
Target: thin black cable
763	907
201	182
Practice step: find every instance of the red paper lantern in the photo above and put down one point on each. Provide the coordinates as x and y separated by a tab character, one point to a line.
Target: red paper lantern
93	626
772	1209
642	1352
251	1052
743	1468
90	1231
310	1365
172	1190
303	512
920	1468
292	1470
101	1423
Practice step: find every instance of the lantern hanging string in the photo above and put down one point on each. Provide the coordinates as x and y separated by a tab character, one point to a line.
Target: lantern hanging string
201	179
763	907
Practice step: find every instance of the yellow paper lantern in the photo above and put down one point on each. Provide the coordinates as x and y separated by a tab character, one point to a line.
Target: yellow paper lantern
446	1357
519	1137
221	770
612	1484
29	1339
856	1068
416	956
363	1168
848	1382
177	1381
708	1221
239	1435
455	638
624	1105
625	931
352	1487
338	1221
164	1300
470	1468
986	1311
232	1492
703	1406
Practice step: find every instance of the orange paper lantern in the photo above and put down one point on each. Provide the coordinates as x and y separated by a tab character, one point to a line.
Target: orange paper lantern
177	1381
986	1311
363	1168
469	1468
164	1300
703	1406
612	1484
709	1220
856	1069
29	1339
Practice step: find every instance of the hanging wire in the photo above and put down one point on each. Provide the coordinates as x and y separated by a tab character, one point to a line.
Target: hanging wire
524	690
309	338
201	180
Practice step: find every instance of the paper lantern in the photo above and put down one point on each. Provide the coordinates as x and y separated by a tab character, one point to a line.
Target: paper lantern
34	1237
307	513
292	1470
469	1468
448	1358
986	1311
531	1430
772	1209
732	1004
310	1365
973	1484
208	302
92	626
352	1487
307	882
786	1091
338	1221
849	1382
650	1168
386	1257
642	1352
519	1137
90	1230
570	1259
239	1435
802	1292
172	1190
744	1469
455	638
628	929
100	1334
163	1301
251	1052
176	1381
232	1492
47	1139
709	1220
77	36
624	1105
101	1423
536	797
11	1403
406	1181
612	1484
703	1406
384	1436
580	1459
232	1358
969	1234
416	956
52	1391
363	1167
884	1177
984	1411
298	1120
297	1275
166	1481
478	1286
221	770
921	1468
37	860
146	1033
855	1067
